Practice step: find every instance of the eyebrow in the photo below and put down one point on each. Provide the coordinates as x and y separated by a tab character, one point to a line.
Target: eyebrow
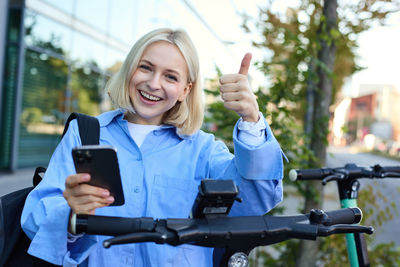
151	64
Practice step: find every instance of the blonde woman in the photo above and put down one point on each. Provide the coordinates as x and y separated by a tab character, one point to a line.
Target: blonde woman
163	155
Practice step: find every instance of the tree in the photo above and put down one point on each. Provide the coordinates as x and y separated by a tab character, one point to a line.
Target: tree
317	123
313	51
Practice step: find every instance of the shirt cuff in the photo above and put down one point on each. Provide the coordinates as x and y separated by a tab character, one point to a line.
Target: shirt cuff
252	133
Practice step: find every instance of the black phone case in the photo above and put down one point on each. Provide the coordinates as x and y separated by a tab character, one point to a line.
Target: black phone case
102	165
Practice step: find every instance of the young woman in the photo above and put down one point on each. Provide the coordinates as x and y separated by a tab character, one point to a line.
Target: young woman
162	156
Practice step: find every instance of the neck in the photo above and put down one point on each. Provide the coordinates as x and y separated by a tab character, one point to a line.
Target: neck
136	119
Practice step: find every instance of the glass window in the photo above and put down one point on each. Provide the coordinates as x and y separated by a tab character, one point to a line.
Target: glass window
64	5
43	108
113	60
48	98
87	50
46	33
86	90
123	18
94	12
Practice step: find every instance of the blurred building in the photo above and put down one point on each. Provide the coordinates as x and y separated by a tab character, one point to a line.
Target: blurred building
340	118
55	60
375	111
56	56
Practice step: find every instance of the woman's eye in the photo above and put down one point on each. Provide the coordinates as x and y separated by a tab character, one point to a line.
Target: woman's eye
172	77
144	67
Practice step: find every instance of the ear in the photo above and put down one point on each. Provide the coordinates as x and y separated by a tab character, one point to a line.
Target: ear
185	92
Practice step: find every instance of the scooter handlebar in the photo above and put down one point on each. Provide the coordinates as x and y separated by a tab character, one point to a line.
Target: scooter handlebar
248	231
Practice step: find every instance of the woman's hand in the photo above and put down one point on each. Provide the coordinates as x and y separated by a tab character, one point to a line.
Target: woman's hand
84	198
237	94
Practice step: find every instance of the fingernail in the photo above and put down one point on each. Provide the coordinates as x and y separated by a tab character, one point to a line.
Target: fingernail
105	193
110	199
85	176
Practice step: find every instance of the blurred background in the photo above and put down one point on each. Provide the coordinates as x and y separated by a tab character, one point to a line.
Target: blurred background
330	91
57	55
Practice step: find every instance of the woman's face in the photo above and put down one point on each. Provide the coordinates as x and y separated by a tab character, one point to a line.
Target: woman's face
160	80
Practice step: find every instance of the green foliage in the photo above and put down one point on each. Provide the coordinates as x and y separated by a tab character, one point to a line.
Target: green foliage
286	252
385	254
294	42
86	87
31	115
334	251
44	76
221	122
377	209
86	105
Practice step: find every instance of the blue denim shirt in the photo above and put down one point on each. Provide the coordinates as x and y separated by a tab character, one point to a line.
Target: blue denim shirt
160	180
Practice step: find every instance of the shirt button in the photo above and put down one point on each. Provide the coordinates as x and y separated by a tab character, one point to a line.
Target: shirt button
157	132
136	190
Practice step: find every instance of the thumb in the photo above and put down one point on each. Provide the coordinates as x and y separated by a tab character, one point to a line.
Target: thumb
244	66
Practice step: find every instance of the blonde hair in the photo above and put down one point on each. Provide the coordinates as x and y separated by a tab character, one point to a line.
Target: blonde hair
186	115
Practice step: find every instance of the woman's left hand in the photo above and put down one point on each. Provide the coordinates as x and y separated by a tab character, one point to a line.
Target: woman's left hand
237	94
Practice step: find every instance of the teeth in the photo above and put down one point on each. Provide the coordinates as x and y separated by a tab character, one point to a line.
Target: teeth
153	98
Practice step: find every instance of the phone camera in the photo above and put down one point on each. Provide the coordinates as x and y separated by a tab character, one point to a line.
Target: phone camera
83	156
88	155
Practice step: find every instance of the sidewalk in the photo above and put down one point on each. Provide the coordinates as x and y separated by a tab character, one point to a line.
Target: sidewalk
19	179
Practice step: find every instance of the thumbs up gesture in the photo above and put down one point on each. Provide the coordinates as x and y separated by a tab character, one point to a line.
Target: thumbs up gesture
237	94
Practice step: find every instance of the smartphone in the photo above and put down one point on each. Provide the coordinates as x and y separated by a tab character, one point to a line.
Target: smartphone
101	163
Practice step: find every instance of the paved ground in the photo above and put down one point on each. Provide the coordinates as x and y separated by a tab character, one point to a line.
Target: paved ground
10	182
387	188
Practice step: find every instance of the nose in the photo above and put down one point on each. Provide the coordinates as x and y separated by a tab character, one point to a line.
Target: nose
155	82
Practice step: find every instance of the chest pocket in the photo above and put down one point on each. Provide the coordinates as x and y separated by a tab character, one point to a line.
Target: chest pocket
172	197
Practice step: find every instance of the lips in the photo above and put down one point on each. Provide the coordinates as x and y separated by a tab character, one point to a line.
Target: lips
149	97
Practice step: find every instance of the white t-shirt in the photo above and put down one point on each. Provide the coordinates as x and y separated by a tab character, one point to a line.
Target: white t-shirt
251	133
140	131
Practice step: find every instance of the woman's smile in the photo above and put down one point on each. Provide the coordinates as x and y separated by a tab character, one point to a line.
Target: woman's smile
149	97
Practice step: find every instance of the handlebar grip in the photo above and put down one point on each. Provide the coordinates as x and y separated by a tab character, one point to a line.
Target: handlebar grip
344	216
309	174
391	169
107	225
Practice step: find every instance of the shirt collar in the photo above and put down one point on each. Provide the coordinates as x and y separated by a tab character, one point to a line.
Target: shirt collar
118	114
